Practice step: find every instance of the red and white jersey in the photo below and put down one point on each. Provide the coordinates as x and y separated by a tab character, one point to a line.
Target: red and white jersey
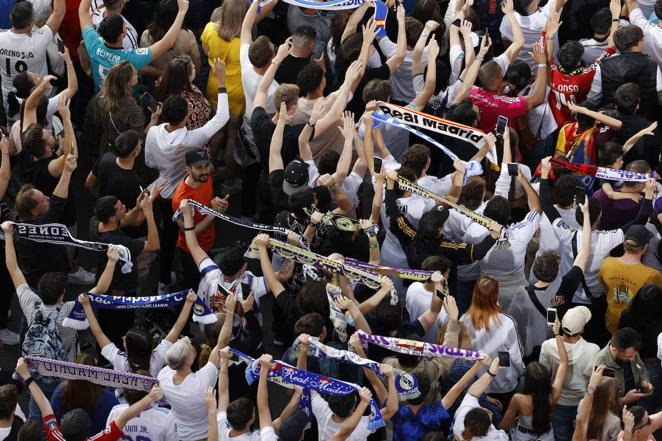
571	87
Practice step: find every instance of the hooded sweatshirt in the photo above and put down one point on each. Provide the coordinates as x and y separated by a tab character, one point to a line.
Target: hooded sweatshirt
166	151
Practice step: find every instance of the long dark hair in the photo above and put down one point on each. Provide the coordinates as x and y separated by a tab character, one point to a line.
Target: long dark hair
138	349
80	393
164	16
604	401
538	384
176	77
22	85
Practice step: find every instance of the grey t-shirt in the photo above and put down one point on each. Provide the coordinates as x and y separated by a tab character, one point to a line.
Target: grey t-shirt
321	22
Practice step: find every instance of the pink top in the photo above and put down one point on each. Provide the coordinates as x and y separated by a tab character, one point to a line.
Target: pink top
492	105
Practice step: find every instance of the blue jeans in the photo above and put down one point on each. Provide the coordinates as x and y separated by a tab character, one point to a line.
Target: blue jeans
653	402
563	422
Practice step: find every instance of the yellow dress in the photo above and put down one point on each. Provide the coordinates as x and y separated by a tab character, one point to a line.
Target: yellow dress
229	53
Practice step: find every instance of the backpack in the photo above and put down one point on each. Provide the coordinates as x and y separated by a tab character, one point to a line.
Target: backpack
43	339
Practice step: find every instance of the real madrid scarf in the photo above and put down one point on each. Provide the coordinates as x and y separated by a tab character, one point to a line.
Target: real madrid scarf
412	118
58	234
285	373
609	174
418	348
78	320
405	383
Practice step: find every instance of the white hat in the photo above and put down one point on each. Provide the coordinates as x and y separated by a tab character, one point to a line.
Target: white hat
575	319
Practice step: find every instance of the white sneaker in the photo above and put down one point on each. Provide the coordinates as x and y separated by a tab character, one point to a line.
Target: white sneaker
81	277
10	338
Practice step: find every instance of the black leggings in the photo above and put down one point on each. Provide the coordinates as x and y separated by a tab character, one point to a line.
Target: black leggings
168	234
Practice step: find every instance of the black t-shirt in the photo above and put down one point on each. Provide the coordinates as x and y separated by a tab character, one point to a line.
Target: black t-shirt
281	200
121	281
289	69
122	183
37	258
263	129
356	104
628	376
46	183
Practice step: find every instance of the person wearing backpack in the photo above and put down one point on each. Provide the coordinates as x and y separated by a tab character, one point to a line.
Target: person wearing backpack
46	337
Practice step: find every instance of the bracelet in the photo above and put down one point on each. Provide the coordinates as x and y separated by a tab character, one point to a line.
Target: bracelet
312	126
615	19
372	230
589	392
544	66
28	382
222	90
490	374
274	61
373	246
479	58
549	38
189	228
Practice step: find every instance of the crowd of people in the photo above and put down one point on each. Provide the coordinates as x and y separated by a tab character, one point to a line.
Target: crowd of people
449	207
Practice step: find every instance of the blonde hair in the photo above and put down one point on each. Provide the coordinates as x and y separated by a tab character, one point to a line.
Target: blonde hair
287	93
231	17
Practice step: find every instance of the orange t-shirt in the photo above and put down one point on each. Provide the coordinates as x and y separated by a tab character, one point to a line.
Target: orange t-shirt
202	194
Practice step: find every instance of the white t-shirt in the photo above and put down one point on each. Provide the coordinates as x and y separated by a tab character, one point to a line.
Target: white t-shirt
187	400
210	280
120	361
224	430
258	286
326	427
417	302
548	239
250	80
532	27
21	52
153	424
456	228
268	434
602	242
509	260
468	403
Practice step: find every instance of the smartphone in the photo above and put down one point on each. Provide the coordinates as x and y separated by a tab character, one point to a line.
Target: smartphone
378	164
580	194
504	359
60	46
149	101
551	316
608	372
245	289
513	170
502	123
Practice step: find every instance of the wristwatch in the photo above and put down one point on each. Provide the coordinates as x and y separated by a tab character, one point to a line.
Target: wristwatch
589	392
372	230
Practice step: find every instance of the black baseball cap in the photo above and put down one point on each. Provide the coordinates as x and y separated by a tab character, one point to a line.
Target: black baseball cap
638	234
195	157
296	175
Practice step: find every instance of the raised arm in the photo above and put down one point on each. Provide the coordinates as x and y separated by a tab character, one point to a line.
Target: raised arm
62	187
470	73
422	98
429	317
107	275
182	319
260	99
275	157
609	121
518	37
56	166
392	402
648	131
345	161
562	370
55	20
152	243
479	386
537	95
84	14
168	41
373	379
155	395
348	426
246	35
5	165
35	391
394	62
10	255
352	78
32	101
72	80
545	194
417	66
451	396
97	332
263	392
374	300
355	19
212	425
350	305
582	256
305	153
274	285
377	198
223	380
531	195
581	425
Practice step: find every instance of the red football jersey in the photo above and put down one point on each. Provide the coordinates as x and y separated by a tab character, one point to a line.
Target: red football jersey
571	87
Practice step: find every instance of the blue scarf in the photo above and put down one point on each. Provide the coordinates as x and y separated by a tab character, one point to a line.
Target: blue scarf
283	373
78	320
